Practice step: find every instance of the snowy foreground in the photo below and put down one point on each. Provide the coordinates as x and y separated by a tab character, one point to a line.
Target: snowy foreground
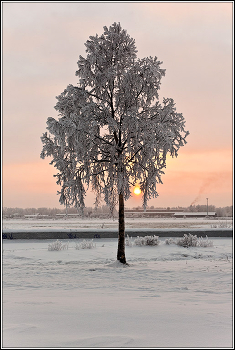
168	296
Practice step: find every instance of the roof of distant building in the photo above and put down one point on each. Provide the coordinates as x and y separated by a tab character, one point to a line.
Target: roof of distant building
196	213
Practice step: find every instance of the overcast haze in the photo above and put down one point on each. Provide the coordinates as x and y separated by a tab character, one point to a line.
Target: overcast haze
41	46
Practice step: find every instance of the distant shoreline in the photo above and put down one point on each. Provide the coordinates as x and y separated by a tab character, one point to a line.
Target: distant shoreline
110	233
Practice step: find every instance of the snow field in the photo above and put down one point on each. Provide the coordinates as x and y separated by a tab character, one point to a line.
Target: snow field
96	223
169	296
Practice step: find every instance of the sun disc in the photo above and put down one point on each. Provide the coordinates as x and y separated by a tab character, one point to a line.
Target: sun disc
137	190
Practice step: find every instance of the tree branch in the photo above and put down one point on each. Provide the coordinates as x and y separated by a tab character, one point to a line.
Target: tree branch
129	160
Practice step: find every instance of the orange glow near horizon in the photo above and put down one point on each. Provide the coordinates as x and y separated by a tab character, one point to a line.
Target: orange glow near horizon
191	176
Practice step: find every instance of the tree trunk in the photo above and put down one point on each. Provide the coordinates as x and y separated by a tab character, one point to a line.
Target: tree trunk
121	235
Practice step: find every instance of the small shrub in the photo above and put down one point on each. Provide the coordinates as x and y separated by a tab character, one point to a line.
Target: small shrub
187	241
221	225
128	241
190	241
169	241
147	240
58	245
214	226
85	245
204	242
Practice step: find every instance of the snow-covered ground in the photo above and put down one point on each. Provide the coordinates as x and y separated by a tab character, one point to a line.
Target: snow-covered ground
94	223
168	296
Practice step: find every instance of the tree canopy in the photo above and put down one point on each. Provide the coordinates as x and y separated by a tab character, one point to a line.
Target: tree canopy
112	131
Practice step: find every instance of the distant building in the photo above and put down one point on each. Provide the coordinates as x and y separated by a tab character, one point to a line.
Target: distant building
163	213
74	215
36	216
190	214
150	213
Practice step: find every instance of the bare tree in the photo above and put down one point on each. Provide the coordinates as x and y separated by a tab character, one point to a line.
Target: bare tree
113	132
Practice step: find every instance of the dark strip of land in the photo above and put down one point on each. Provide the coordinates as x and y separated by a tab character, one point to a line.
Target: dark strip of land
110	233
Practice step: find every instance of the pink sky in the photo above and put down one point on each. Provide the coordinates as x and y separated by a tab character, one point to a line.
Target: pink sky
41	46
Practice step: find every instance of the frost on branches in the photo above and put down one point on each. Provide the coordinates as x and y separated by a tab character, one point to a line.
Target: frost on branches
147	240
58	245
85	244
112	131
142	241
189	240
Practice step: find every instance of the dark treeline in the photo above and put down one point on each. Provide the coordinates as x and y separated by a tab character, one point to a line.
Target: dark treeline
220	211
103	211
53	212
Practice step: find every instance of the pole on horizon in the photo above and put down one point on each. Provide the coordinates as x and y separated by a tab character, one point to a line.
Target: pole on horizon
207	206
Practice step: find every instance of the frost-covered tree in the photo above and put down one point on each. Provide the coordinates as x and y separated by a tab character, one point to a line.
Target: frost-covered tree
112	132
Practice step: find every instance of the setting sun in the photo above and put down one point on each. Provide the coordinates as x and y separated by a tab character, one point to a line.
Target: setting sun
137	190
